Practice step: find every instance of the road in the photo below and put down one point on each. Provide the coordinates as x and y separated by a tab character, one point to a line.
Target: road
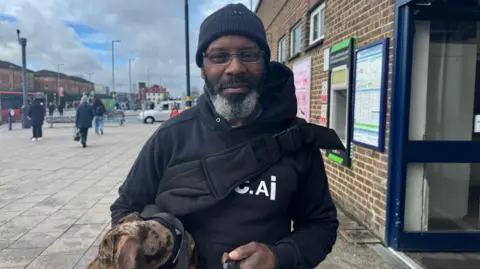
55	197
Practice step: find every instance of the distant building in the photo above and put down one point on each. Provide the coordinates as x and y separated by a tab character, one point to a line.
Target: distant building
100	89
11	77
156	94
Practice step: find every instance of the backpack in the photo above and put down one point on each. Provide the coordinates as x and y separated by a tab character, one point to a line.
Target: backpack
99	110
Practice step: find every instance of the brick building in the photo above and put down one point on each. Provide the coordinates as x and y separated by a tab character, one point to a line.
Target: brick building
365	68
11	79
46	79
11	76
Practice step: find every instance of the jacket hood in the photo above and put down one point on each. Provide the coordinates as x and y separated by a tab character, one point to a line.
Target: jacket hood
278	99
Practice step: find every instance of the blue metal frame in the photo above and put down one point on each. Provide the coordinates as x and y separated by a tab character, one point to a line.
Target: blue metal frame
385	43
402	151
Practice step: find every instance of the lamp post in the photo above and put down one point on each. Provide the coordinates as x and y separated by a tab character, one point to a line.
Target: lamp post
130	75
188	100
58	83
23	42
113	63
148	77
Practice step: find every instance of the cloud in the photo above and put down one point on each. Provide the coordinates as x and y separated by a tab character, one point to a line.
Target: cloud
78	34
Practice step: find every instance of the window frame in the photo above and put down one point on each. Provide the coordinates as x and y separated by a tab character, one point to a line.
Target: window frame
292	39
317	11
284	40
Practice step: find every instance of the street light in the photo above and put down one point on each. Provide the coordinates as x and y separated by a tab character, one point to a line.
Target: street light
130	74
188	101
23	42
113	63
58	83
148	77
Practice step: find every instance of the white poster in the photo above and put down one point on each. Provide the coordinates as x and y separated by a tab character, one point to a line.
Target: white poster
302	77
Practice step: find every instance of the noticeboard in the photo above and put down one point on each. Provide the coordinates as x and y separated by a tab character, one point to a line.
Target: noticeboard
370	95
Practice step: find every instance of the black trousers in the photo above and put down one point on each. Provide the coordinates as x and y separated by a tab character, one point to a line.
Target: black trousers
37	131
83	135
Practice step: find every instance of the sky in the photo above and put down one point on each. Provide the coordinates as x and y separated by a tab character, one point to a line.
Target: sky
78	34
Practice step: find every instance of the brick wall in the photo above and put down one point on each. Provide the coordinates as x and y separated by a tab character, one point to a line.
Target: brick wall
360	190
13	77
70	86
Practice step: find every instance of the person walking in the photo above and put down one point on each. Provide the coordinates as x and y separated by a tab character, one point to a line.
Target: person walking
83	119
51	109
99	108
36	113
239	167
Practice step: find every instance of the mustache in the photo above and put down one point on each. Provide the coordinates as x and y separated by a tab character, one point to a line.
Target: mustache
235	82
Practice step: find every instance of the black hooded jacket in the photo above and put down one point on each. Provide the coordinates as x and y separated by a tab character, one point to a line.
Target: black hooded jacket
294	189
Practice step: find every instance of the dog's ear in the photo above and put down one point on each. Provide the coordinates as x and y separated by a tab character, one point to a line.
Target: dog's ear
130	253
129	218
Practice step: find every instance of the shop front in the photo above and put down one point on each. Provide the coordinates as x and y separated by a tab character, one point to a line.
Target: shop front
433	201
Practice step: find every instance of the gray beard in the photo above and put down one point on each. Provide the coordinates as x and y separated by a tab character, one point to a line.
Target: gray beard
235	111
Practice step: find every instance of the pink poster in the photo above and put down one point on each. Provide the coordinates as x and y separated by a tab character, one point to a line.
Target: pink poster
302	78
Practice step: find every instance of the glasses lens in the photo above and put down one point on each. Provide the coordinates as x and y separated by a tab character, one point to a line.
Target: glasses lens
219	57
250	56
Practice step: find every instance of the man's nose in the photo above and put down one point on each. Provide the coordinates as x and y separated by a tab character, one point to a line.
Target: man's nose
235	67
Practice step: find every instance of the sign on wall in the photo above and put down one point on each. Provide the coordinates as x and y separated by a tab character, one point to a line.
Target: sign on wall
302	76
370	95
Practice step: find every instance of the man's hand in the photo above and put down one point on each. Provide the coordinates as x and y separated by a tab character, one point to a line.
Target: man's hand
253	256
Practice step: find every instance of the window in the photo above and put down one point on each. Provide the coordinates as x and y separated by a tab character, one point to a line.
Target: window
339	102
281	50
296	39
317	24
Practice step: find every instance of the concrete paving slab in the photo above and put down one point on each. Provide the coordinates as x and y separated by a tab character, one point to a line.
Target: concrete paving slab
55	198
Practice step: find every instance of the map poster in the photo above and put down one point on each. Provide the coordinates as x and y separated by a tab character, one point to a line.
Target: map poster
302	76
369	96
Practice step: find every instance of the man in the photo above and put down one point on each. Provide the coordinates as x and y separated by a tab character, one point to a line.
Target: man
83	119
100	110
36	113
245	98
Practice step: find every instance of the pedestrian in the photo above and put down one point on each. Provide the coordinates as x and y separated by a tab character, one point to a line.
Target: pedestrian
83	119
51	109
100	110
60	109
36	113
11	113
239	167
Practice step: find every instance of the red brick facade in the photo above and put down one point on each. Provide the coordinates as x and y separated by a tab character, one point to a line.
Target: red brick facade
11	79
360	190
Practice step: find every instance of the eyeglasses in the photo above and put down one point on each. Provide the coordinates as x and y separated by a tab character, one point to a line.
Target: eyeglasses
246	56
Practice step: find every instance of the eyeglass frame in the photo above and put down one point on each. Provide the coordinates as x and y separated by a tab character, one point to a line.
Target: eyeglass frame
262	54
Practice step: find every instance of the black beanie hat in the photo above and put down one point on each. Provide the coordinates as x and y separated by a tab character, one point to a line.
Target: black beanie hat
233	19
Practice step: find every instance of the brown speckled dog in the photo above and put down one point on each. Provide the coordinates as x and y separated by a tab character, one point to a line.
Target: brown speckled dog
138	244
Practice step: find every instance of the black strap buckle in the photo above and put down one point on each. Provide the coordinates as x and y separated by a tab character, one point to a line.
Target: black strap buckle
289	140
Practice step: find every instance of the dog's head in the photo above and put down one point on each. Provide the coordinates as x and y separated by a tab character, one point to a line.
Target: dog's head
134	244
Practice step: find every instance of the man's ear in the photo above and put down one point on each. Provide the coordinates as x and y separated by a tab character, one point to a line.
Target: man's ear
130	253
202	72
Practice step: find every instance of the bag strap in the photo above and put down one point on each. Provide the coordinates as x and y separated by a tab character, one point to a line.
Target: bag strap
195	185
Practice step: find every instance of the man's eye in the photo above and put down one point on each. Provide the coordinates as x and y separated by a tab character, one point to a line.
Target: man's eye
219	56
249	55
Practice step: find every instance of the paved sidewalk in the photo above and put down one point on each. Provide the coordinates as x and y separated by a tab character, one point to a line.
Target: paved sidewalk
55	197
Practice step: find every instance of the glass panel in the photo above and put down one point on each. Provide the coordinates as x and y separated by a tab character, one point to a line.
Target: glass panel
322	22
445	79
442	197
297	38
315	27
